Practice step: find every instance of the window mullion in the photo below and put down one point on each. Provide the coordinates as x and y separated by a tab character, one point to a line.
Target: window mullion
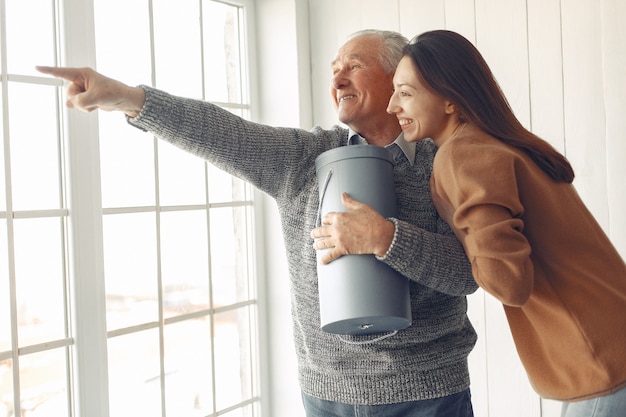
85	223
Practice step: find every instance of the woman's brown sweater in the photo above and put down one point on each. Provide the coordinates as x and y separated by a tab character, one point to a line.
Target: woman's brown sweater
535	246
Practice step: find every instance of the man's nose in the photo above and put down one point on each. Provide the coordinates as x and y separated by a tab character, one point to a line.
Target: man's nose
339	79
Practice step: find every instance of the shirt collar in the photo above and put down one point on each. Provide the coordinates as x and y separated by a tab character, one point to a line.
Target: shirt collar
408	148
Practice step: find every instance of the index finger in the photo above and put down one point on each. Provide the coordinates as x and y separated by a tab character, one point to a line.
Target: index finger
68	74
349	202
318	232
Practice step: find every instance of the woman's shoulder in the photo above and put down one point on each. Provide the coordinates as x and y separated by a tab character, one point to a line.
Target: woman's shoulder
472	155
472	145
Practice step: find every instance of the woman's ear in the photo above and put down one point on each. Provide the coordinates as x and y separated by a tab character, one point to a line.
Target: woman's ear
453	110
450	107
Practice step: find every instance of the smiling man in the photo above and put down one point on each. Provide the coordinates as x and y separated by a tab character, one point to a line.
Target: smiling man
419	371
361	86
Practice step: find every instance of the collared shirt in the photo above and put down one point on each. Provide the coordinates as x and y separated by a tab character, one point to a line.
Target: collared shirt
406	148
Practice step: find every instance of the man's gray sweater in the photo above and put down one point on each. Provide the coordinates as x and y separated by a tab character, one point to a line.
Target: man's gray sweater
426	360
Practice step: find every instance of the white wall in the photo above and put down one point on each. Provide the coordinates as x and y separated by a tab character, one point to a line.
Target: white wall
562	65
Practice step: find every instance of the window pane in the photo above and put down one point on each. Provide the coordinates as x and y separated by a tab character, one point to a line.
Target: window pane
3	201
40	285
30	40
222	53
178	52
188	369
248	411
134	375
127	163
224	187
130	269
34	147
181	177
184	260
123	41
6	388
232	346
229	256
43	384
127	154
5	300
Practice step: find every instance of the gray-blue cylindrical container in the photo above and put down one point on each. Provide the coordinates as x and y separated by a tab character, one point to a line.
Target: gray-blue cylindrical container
359	294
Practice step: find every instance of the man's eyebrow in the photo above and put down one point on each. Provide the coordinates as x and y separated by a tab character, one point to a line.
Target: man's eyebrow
351	57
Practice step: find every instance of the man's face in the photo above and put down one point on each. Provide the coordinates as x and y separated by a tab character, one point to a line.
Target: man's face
360	88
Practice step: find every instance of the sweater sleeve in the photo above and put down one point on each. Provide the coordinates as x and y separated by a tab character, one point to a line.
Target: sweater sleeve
276	160
424	247
476	185
435	260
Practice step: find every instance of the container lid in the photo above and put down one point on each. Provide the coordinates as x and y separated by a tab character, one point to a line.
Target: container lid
353	151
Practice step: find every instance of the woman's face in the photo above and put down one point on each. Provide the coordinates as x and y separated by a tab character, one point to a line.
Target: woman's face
421	112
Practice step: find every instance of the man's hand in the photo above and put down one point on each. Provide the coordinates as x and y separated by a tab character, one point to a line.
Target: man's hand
88	90
360	230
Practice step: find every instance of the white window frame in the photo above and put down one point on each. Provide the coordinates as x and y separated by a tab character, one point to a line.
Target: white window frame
83	216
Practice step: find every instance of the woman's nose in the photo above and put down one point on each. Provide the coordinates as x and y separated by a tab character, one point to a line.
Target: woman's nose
392	107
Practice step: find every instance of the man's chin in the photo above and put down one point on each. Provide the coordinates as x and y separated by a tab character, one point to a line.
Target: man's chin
344	116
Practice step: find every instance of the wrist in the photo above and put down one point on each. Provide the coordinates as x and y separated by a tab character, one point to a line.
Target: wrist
134	102
388	238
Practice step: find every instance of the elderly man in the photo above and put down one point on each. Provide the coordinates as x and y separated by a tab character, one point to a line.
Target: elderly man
419	371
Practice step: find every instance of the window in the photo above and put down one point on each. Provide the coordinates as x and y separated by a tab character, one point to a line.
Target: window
127	268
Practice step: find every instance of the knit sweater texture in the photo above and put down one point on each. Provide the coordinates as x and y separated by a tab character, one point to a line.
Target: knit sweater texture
428	359
535	246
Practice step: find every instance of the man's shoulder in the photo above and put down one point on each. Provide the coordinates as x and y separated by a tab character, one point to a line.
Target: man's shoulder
426	144
336	131
425	151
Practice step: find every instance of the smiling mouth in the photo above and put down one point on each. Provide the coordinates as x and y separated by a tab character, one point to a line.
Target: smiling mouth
346	98
405	122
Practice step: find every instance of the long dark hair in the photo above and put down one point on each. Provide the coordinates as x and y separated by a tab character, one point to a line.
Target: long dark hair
453	67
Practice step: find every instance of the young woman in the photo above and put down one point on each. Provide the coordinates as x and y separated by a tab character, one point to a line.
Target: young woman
531	241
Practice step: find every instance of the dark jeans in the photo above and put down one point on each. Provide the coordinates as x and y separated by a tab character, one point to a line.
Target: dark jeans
456	405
